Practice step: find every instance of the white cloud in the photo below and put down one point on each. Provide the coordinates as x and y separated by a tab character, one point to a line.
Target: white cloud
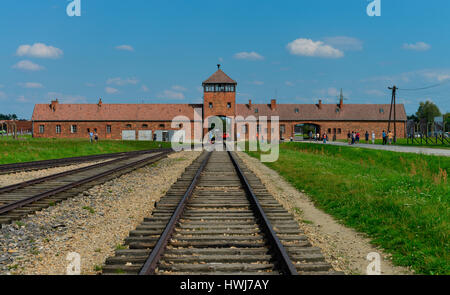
249	56
31	85
125	47
259	83
308	47
375	92
89	84
22	99
66	98
178	88
111	90
122	82
39	50
418	46
344	43
144	88
27	65
332	91
171	94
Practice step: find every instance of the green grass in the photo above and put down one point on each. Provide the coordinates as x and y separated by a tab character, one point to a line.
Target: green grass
90	209
33	149
400	200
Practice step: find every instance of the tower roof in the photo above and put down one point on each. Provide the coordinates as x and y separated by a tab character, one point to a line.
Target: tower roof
219	77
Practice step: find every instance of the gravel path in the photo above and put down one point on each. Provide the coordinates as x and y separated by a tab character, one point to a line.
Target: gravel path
13	178
343	247
92	224
393	148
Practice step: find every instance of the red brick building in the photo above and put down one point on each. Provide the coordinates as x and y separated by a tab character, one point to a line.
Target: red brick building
155	121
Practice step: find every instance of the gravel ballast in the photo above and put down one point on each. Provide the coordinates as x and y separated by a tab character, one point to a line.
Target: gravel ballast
18	177
92	224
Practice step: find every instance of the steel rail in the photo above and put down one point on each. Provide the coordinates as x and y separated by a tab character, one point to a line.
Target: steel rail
12	187
286	264
35	165
11	206
150	264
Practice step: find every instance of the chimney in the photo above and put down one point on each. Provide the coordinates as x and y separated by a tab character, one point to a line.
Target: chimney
53	104
100	102
320	104
273	104
341	100
249	103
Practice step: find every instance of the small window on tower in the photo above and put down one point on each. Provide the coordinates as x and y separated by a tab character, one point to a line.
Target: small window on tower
144	125
381	111
210	105
229	105
296	110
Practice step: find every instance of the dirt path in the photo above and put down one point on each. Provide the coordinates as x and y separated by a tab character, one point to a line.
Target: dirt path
343	247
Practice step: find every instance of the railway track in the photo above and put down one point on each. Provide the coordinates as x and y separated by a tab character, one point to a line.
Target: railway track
19	200
37	165
218	218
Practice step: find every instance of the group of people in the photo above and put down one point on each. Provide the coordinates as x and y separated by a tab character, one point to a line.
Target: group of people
93	136
354	137
387	137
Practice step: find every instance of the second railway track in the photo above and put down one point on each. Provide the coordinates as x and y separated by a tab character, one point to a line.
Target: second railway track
218	218
19	200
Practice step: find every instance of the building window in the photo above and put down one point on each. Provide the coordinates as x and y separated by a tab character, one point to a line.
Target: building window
180	125
381	111
41	129
296	110
95	130
128	125
282	129
144	126
244	129
339	131
229	105
210	105
334	130
108	128
88	130
161	125
256	110
58	129
73	129
329	130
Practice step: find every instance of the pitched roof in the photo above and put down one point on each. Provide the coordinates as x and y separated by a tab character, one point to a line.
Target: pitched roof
328	112
219	77
113	112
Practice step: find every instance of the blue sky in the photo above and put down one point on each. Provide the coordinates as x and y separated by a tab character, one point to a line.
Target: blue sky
160	51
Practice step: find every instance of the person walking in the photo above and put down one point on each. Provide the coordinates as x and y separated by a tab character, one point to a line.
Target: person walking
324	138
349	137
91	136
367	136
373	137
357	136
384	137
96	137
390	137
353	137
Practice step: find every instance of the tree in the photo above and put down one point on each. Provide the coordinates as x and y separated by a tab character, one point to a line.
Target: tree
428	111
413	118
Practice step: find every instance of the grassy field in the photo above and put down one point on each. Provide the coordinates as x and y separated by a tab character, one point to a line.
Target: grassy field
33	149
400	200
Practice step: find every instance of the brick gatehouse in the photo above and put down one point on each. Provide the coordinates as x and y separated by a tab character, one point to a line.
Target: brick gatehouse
155	121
